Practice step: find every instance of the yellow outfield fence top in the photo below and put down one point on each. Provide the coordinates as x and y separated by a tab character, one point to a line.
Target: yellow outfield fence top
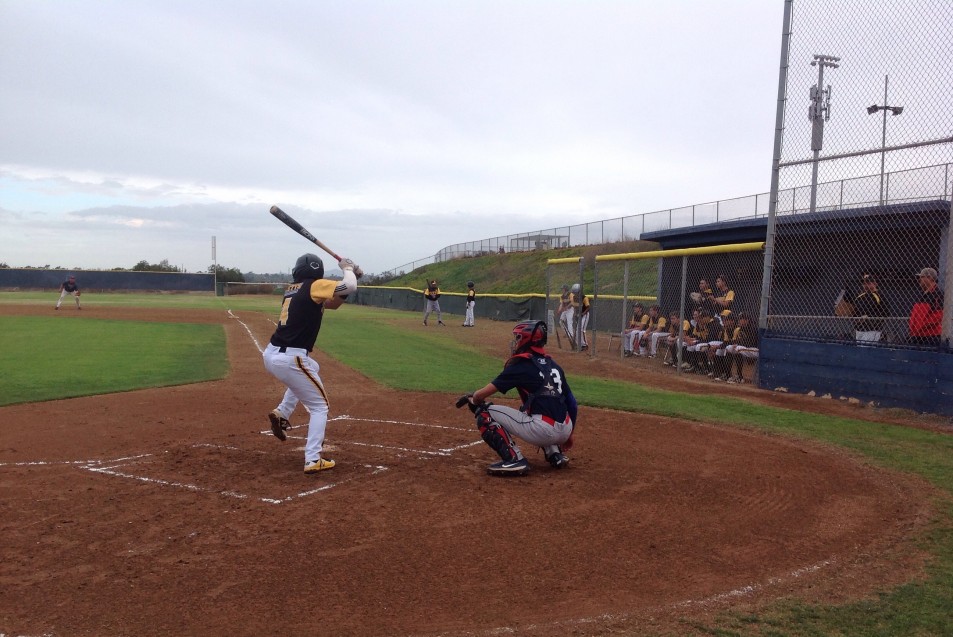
528	295
680	252
564	260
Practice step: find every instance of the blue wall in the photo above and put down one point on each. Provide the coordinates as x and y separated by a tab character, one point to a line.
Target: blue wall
921	380
105	280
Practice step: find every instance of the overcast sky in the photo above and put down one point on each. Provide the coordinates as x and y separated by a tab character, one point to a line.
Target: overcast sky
134	129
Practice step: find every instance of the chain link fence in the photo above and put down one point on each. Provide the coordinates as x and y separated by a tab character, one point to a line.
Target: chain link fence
863	155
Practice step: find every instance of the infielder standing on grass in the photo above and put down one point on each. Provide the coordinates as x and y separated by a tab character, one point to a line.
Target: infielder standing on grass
547	416
471	303
287	354
69	287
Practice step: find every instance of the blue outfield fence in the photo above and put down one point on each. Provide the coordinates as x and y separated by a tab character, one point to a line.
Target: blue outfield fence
107	280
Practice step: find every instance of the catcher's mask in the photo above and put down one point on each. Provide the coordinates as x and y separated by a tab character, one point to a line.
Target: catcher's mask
308	266
529	335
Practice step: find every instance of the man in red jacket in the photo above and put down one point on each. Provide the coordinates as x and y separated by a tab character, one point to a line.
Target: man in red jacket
926	318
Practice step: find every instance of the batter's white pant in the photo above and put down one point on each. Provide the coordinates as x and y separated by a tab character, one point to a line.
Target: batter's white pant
433	306
64	294
299	372
468	319
583	326
532	429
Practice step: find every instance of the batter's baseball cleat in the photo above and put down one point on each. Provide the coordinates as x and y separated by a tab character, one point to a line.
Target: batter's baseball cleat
509	467
557	460
279	424
321	464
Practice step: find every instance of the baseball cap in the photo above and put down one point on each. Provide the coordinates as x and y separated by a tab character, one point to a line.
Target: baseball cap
928	272
869	277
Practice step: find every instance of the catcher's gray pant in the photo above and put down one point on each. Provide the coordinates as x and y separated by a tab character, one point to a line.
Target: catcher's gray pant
532	429
468	320
432	306
299	372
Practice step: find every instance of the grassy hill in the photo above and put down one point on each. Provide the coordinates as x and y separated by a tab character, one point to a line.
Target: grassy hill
525	272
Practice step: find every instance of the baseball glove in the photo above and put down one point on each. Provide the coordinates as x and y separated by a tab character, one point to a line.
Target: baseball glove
465	400
696	296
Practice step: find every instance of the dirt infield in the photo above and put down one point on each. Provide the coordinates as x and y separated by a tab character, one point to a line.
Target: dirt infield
174	511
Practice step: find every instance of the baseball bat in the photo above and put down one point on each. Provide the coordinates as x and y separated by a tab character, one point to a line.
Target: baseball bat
297	227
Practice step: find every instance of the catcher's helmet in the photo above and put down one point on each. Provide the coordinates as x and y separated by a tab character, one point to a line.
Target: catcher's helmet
529	335
308	266
575	288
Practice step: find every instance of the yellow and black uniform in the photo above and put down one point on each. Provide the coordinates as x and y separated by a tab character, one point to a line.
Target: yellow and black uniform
471	303
722	301
431	294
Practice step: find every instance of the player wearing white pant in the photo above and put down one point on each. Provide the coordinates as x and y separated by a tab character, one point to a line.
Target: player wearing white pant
471	303
287	355
69	288
635	329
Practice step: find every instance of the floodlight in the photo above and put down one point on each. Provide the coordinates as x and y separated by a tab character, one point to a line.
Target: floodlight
872	109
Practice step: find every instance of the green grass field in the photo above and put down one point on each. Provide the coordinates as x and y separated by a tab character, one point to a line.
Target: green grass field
373	341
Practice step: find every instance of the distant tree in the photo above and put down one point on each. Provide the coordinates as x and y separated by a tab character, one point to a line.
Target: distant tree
226	275
161	266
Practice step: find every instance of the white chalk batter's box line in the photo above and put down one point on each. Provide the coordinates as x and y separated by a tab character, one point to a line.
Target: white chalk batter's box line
444	451
111	470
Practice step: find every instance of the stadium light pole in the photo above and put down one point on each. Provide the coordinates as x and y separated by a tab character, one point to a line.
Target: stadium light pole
819	112
896	110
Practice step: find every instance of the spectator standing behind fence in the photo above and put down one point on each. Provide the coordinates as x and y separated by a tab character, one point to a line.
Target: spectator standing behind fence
744	348
871	308
637	325
654	329
431	294
581	301
926	317
471	303
69	288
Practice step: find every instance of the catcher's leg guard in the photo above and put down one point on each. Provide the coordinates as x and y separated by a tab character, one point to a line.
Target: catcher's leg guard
495	436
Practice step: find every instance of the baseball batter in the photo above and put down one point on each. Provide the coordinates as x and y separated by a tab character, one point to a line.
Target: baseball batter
548	413
69	287
471	303
287	355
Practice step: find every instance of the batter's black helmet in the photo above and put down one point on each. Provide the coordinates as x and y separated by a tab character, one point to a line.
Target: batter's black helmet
469	284
308	266
529	335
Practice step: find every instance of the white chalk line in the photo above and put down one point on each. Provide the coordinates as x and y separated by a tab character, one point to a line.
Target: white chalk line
111	470
743	591
247	329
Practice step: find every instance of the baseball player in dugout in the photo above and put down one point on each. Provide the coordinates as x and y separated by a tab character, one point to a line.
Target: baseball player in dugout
548	412
471	303
69	287
431	294
287	355
871	307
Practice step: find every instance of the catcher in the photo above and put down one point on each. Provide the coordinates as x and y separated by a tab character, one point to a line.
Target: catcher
69	287
547	416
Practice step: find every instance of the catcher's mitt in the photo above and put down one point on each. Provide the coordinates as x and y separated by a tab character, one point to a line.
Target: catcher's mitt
696	296
465	400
